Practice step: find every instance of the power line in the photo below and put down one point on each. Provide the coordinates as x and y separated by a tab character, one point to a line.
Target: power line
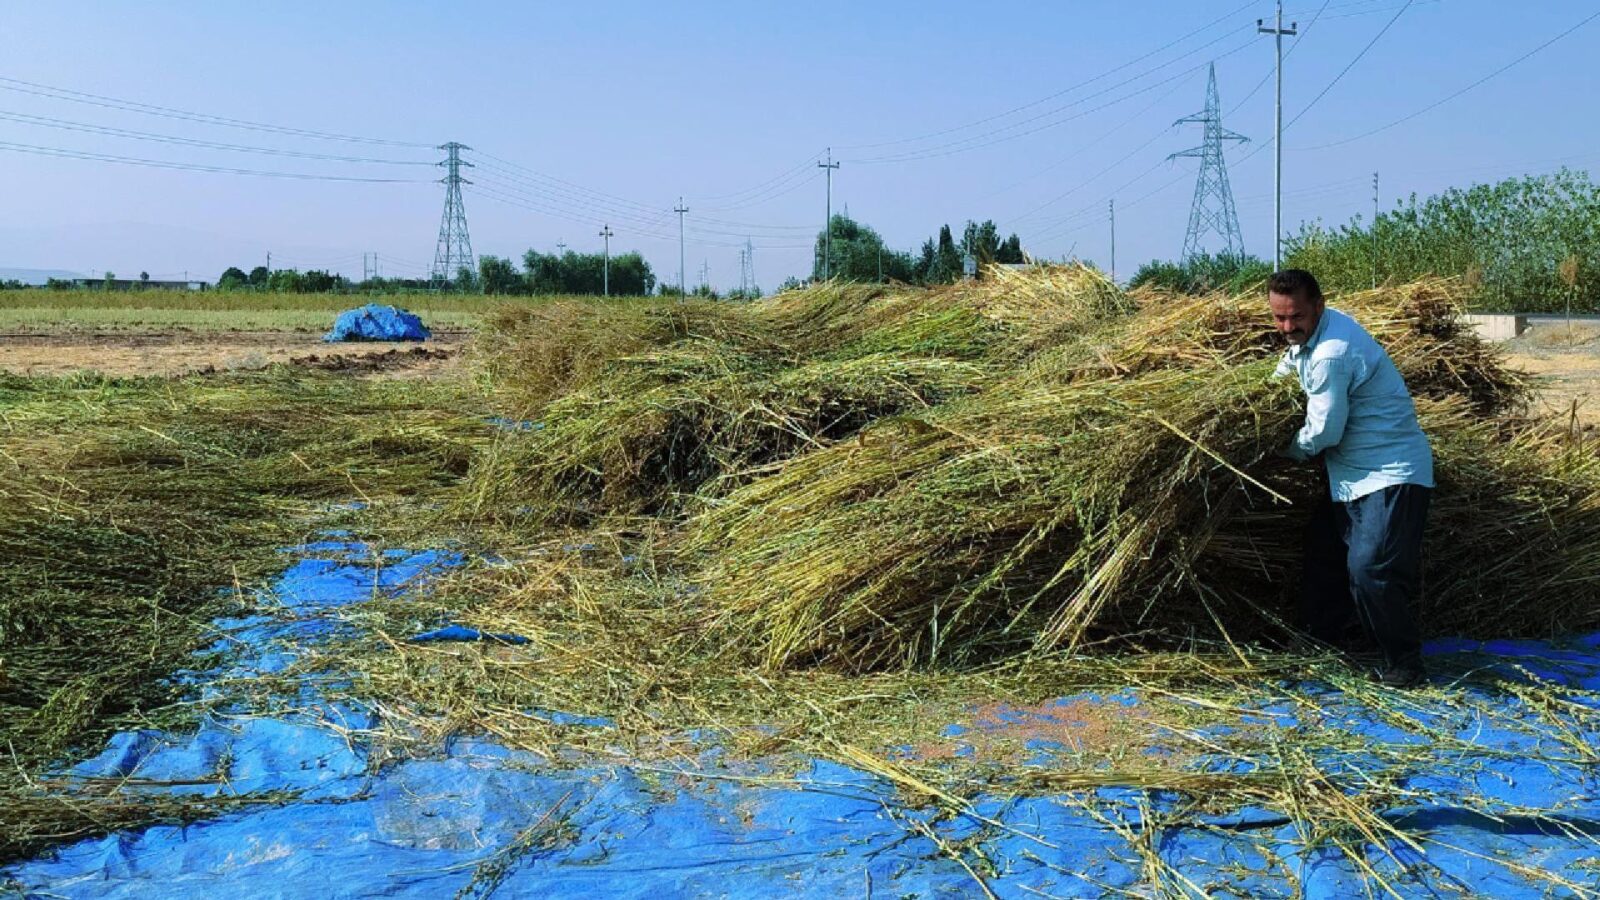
192	167
589	200
798	168
534	174
1317	17
58	93
1342	72
518	197
1159	135
982	141
1067	90
773	193
572	205
1099	137
49	122
582	215
1435	105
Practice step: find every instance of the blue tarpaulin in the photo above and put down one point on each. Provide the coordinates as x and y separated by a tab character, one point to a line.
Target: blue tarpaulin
473	818
374	322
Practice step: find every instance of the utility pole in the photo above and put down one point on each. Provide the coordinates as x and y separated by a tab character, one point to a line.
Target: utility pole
705	274
680	209
827	224
606	233
1277	31
561	248
1113	205
1375	204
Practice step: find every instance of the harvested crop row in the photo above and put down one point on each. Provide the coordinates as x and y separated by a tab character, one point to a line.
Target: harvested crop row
639	407
1125	486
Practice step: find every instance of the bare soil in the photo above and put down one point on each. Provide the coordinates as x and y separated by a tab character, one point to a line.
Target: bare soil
178	352
1567	364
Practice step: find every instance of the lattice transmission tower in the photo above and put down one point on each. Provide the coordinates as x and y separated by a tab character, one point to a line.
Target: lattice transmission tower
454	250
1212	212
747	268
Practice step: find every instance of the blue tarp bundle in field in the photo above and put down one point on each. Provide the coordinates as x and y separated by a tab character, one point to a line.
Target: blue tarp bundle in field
375	322
472	818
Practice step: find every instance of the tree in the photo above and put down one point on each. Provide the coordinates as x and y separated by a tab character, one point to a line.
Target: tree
233	278
858	254
285	281
144	277
259	276
584	273
945	260
500	276
981	242
631	276
1010	251
318	281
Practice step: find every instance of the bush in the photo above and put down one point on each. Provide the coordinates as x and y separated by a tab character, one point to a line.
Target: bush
1507	241
1202	274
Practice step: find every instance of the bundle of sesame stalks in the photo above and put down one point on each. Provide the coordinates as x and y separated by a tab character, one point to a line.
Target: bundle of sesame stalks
634	408
1122	484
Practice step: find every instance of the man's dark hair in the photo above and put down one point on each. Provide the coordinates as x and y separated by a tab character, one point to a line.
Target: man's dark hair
1297	283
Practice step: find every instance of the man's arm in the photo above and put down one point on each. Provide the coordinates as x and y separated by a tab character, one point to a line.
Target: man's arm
1327	387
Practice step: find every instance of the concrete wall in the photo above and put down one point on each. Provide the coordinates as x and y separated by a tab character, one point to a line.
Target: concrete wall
1498	326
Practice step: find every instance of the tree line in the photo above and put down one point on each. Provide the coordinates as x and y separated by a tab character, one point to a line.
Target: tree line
541	273
856	252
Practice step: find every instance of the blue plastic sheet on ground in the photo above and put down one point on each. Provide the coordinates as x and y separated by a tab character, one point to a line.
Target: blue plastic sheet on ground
375	322
474	818
463	634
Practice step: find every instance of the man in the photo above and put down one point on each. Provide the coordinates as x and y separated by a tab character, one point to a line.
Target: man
1364	548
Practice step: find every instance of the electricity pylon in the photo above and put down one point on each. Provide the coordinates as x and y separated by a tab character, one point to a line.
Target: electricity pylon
1212	212
454	251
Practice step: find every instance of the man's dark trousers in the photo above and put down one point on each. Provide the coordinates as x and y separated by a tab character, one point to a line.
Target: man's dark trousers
1364	564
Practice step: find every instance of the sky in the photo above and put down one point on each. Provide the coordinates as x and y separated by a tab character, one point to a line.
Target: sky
581	115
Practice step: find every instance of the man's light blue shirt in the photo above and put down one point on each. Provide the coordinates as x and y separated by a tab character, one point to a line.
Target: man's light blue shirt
1359	415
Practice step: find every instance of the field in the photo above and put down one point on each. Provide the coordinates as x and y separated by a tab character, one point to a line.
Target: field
176	332
990	549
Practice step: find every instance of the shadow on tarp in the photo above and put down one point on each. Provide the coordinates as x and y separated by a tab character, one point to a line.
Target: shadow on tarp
478	818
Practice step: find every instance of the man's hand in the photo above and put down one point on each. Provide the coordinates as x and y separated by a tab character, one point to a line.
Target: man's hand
1291	452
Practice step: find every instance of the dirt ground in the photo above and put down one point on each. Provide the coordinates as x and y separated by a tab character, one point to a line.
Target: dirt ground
1567	361
184	352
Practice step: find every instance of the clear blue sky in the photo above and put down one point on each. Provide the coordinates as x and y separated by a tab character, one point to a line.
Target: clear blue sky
644	101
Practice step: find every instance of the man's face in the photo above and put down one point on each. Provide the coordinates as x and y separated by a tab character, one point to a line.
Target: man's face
1295	317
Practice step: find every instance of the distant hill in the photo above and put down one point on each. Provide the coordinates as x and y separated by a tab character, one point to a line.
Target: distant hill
35	276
